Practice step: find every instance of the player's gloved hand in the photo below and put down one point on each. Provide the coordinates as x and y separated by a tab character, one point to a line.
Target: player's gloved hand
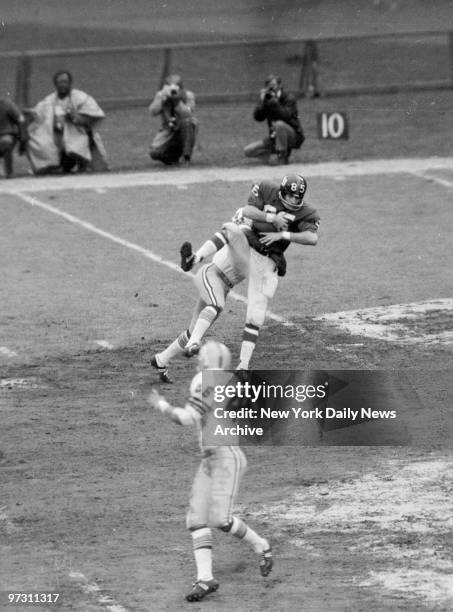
268	238
279	220
158	401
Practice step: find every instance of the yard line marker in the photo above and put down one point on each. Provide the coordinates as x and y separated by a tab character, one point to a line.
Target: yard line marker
135	247
92	588
434	179
191	176
4	350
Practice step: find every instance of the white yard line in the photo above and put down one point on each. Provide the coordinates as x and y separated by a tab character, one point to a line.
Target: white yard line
94	590
434	179
135	247
180	177
354	321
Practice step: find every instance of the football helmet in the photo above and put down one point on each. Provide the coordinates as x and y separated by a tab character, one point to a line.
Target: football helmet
292	190
214	355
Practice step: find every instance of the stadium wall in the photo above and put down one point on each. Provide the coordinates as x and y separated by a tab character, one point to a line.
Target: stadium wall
128	76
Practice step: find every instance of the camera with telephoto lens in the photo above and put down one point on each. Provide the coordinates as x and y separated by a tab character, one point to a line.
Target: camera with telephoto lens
173	90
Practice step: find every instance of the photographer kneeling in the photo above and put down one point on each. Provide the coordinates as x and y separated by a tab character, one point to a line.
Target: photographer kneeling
176	137
285	131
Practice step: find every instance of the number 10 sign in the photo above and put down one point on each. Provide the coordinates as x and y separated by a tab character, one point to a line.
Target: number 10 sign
333	126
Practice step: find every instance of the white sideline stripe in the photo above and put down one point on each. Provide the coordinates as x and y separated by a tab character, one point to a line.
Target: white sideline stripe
190	176
135	247
4	350
92	588
434	179
387	322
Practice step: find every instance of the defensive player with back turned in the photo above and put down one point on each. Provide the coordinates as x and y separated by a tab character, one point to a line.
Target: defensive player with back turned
217	480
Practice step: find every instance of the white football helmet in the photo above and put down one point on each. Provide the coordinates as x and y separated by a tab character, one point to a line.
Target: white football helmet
214	355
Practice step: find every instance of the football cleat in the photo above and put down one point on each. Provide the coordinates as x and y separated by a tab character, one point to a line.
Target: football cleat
187	257
266	562
201	588
163	371
192	349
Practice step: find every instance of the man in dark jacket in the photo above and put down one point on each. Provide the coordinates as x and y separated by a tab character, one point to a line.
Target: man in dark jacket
175	106
279	109
12	130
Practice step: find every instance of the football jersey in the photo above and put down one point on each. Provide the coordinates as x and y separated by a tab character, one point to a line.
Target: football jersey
265	197
201	405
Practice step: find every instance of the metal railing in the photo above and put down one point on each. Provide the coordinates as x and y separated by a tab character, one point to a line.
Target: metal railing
128	76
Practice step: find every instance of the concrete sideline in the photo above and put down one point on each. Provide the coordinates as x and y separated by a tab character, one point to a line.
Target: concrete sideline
179	176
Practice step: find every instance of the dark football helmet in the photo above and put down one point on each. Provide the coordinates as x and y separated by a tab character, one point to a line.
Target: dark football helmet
292	190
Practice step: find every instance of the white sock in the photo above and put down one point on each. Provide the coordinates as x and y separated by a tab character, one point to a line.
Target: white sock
245	355
242	531
175	348
249	338
202	550
205	319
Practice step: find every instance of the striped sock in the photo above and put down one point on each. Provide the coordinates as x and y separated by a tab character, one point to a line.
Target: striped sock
202	550
242	531
205	319
249	338
211	246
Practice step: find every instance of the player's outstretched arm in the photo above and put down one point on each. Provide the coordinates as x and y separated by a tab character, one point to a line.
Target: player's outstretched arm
307	237
181	416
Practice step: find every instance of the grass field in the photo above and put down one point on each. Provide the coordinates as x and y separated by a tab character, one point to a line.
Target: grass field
93	498
94	486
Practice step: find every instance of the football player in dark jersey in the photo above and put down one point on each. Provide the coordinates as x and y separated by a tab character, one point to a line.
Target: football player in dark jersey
274	216
267	203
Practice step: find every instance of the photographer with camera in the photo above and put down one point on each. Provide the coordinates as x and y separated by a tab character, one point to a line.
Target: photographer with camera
62	130
279	109
176	137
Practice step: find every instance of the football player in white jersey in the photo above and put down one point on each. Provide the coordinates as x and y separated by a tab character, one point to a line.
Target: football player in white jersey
216	483
227	268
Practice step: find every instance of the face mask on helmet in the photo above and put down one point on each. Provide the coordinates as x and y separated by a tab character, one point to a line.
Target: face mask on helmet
292	191
214	355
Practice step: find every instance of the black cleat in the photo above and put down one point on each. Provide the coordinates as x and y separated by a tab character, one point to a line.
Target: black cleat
187	257
163	371
266	562
201	588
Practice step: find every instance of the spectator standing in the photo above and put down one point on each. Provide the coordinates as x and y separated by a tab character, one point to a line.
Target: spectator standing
309	74
12	130
175	106
62	130
285	132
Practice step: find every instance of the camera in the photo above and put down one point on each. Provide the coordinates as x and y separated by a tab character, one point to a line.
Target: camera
174	90
270	93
